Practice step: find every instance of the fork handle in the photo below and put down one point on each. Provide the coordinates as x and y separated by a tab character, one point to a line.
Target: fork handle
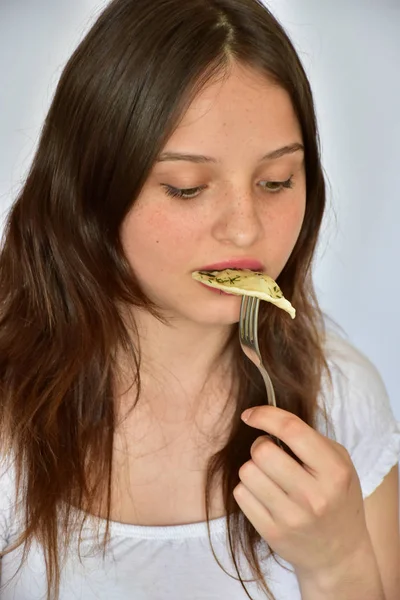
268	385
270	396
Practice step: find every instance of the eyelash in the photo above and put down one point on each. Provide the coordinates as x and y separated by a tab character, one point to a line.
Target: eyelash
180	193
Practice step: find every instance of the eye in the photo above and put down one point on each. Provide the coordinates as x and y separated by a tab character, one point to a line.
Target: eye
186	193
275	187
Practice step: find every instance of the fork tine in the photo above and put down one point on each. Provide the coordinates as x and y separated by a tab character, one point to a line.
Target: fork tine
256	309
251	320
243	300
248	320
253	312
248	317
243	315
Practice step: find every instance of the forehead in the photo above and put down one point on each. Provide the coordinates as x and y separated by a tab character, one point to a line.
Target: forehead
245	106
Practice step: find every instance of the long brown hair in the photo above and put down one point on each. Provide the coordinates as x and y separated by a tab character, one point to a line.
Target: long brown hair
65	281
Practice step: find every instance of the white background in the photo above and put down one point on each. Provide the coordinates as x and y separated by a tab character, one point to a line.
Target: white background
351	52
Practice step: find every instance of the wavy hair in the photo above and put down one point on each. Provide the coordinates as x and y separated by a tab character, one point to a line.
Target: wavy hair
66	284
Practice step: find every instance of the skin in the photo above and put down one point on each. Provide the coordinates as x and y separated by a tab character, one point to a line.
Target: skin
312	515
236	120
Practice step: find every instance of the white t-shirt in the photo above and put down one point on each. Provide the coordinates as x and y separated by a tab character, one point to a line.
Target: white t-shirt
176	562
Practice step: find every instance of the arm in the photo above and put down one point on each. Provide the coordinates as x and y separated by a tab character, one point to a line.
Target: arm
313	514
357	579
375	572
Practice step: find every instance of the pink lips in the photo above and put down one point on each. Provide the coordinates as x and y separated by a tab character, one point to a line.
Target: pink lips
238	263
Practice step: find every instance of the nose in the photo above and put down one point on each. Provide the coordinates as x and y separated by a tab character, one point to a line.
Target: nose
239	223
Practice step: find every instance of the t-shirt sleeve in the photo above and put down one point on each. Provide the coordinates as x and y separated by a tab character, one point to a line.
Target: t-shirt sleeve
362	416
7	500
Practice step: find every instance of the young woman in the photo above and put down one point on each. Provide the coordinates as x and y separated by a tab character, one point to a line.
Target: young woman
182	136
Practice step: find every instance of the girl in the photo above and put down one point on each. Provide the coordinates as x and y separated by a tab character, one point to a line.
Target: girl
182	137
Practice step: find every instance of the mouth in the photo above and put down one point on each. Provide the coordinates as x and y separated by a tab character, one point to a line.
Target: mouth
235	263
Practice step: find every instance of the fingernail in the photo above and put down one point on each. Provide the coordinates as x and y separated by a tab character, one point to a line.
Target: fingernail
246	414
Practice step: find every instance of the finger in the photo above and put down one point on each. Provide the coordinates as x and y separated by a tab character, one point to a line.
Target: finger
308	445
266	491
283	470
254	510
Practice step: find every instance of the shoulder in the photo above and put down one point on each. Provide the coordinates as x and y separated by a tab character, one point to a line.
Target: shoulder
356	382
359	412
348	364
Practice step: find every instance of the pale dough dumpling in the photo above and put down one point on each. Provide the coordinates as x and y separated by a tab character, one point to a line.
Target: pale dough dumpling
244	282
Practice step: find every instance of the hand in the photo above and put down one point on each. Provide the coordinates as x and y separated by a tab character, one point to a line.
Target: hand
312	515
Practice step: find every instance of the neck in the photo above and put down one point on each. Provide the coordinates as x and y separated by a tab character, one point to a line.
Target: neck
185	368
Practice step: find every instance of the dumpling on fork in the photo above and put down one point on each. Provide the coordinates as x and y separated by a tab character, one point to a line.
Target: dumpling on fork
244	282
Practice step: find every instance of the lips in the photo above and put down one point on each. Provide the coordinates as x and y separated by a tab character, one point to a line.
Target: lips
235	263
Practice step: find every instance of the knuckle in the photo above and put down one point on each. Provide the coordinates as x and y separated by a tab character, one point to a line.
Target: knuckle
261	448
245	469
343	458
341	476
345	453
290	426
275	534
296	521
238	491
320	505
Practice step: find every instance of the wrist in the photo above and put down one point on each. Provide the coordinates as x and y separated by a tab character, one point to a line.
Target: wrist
347	579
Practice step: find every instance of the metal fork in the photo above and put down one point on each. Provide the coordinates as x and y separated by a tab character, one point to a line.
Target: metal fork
248	337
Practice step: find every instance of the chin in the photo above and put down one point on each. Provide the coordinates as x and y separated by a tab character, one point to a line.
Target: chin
212	314
207	309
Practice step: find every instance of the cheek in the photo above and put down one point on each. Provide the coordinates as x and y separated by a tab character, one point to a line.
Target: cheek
157	239
296	218
170	234
286	221
282	231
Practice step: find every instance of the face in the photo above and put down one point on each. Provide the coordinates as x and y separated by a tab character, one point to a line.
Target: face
238	204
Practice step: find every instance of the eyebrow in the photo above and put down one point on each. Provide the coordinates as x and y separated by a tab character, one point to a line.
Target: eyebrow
199	158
